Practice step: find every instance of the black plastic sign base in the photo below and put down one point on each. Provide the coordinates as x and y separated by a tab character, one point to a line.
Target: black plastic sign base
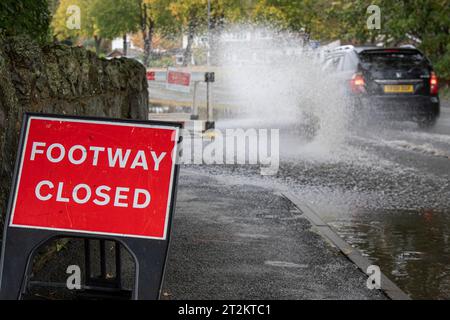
20	244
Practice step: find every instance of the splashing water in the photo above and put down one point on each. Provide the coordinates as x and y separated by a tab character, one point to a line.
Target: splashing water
279	82
387	195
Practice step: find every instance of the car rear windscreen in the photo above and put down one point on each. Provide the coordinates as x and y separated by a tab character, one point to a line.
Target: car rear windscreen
392	63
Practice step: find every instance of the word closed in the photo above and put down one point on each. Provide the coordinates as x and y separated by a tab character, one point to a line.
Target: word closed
94	176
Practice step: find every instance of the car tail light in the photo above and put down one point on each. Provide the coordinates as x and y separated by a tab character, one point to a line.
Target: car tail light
434	85
358	84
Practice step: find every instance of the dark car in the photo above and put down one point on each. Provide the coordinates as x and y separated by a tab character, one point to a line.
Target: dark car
398	83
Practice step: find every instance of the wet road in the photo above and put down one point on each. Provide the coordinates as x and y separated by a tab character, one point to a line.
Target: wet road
387	192
385	189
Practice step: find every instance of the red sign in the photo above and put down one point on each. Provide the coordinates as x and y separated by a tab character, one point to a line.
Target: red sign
151	75
178	80
100	177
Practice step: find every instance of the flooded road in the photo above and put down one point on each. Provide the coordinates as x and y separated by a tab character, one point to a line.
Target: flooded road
410	246
385	187
404	226
385	191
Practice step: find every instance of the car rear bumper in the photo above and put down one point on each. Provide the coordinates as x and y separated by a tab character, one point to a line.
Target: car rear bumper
402	107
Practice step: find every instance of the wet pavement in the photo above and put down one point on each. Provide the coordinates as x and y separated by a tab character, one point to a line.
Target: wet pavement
229	241
237	241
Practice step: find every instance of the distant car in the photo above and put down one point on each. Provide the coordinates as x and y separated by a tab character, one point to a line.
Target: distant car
399	83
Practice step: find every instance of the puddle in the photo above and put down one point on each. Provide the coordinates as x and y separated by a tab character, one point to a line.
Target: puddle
411	247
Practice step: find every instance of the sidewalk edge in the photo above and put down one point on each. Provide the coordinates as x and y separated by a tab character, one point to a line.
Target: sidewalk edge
387	286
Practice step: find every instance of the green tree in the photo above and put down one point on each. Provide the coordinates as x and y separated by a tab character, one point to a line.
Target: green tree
53	5
351	17
155	16
107	19
309	16
114	18
222	14
428	22
425	23
192	16
88	27
29	17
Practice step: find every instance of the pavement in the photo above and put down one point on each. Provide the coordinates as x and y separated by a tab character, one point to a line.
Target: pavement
229	241
235	241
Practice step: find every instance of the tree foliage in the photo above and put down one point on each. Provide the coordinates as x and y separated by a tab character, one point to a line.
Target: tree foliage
100	19
192	17
30	17
87	28
155	17
295	15
114	18
423	22
161	15
426	21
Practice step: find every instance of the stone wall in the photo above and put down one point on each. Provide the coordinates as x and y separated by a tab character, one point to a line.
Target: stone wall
59	79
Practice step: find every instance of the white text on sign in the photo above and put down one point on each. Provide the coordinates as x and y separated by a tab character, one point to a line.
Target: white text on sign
102	195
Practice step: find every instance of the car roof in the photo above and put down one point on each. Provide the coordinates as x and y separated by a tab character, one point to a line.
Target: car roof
359	49
385	49
364	48
341	50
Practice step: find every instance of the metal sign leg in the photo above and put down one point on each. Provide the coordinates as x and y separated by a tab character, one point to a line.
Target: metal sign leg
14	271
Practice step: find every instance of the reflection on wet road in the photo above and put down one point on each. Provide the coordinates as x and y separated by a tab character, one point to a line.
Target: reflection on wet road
385	189
410	246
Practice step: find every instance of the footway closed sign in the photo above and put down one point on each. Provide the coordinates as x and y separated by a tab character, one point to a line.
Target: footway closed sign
96	176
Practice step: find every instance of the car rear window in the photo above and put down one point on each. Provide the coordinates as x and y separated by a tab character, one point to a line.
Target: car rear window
411	62
332	62
392	59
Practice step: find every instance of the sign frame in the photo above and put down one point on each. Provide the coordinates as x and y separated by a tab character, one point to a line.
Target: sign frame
20	243
21	164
